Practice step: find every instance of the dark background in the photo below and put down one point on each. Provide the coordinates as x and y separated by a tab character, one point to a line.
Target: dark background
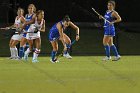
91	30
79	10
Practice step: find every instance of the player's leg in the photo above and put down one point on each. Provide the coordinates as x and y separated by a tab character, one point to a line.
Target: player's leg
54	51
29	50
14	48
114	49
37	50
67	43
11	49
106	40
22	43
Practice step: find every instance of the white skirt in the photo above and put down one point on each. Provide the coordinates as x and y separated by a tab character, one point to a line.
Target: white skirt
17	37
31	36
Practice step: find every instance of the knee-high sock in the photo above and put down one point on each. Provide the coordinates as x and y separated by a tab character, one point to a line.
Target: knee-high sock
68	48
114	49
36	53
21	52
15	52
12	52
27	51
107	50
53	54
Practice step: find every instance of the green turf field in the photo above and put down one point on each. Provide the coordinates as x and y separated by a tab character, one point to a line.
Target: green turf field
79	75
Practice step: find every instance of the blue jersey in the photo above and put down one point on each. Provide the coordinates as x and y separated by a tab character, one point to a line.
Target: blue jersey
54	33
109	30
27	18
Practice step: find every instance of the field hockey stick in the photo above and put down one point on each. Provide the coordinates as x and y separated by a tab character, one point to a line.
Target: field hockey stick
61	54
100	15
8	28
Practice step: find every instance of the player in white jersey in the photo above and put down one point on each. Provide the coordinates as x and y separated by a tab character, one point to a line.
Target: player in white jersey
16	38
37	25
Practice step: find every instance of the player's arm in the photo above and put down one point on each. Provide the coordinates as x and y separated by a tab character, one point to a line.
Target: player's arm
117	16
22	20
30	22
43	27
76	28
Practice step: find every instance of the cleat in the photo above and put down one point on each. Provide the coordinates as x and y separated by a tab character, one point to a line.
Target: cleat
17	58
11	57
54	61
106	58
67	56
35	61
117	58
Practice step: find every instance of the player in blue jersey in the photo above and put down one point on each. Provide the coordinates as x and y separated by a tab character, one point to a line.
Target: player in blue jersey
109	30
28	17
56	33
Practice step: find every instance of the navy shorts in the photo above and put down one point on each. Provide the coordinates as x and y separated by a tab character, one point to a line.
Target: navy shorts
53	36
109	31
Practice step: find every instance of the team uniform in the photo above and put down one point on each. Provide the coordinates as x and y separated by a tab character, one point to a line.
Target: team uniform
27	18
17	37
18	23
54	33
109	30
53	36
31	31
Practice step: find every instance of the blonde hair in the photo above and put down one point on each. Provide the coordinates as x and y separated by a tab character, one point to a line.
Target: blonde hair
112	2
21	10
34	8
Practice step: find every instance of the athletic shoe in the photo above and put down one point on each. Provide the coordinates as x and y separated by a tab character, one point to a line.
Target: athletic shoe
117	58
106	58
35	61
67	56
54	61
18	58
11	58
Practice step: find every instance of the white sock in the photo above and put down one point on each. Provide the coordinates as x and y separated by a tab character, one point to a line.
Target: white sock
12	52
27	51
36	53
16	51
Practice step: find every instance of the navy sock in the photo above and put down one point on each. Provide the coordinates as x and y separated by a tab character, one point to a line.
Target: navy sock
113	47
65	52
107	50
53	54
21	52
68	48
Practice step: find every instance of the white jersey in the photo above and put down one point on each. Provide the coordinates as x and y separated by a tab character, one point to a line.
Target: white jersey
17	23
33	27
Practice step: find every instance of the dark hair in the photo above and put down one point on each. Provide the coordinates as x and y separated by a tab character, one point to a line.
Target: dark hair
38	12
66	18
112	2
